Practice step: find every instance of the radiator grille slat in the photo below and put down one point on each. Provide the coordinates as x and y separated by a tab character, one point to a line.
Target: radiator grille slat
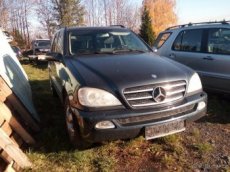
142	96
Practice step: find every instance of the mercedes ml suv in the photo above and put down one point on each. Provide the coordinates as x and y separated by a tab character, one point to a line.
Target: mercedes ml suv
114	87
205	47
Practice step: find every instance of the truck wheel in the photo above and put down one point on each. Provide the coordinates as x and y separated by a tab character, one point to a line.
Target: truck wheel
73	129
52	89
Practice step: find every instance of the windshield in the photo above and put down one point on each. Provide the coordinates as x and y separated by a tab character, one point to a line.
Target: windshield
42	43
113	42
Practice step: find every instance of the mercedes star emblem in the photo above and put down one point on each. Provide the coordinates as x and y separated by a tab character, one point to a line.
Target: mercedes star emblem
159	94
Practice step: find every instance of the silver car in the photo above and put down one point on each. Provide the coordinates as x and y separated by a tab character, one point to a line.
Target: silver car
204	47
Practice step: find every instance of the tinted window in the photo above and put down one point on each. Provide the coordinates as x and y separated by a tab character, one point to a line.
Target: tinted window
161	39
90	42
219	41
59	46
58	43
188	40
177	42
43	43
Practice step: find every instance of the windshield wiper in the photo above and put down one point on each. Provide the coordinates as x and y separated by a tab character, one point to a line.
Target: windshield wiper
128	50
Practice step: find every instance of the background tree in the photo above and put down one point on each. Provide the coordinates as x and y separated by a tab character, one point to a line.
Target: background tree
68	12
162	13
146	31
45	16
4	14
112	12
18	39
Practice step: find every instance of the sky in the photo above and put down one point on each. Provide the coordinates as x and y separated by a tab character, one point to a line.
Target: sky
201	10
193	10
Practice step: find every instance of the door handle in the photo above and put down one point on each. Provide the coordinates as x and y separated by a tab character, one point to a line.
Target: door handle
208	58
172	55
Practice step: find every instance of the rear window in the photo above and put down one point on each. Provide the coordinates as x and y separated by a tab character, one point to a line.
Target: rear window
219	41
161	39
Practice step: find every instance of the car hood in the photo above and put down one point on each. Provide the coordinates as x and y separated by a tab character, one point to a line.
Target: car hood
123	71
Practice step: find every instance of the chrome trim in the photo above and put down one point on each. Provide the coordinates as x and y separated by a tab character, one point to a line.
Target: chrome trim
139	98
138	91
154	103
169	93
142	95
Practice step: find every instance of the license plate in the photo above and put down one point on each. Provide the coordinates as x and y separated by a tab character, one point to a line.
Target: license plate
41	57
165	129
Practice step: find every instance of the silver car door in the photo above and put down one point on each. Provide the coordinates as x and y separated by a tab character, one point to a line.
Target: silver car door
216	61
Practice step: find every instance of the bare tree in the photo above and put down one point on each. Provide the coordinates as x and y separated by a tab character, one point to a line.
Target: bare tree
45	16
4	14
112	12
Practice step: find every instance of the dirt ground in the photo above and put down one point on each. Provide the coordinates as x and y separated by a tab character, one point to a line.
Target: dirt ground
204	146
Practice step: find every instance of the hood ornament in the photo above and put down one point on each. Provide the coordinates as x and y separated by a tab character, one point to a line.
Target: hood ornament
154	76
159	94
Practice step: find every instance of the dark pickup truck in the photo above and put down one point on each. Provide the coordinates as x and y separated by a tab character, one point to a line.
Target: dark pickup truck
114	87
39	49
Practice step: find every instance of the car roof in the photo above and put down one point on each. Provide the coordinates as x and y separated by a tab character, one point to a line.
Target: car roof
201	25
42	40
116	27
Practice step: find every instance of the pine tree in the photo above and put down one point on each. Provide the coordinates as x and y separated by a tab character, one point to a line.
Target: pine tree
68	12
146	31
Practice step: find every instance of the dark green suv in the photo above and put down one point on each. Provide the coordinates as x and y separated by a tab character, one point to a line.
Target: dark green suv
114	87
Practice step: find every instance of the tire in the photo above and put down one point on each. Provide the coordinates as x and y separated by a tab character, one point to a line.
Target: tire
73	129
52	89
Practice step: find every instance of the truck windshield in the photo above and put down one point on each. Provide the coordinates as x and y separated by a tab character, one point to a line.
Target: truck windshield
110	42
43	43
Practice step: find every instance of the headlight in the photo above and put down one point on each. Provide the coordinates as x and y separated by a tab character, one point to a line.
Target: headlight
194	83
93	97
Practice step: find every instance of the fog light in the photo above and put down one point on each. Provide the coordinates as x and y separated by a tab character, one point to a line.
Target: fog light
201	105
104	125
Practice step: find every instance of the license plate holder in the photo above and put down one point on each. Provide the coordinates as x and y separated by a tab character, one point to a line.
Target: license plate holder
160	130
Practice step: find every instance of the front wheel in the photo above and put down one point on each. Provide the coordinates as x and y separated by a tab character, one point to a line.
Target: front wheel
73	128
52	89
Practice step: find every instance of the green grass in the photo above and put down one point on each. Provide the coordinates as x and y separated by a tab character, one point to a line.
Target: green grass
203	148
53	152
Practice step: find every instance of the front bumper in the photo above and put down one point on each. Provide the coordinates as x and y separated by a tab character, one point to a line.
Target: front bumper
38	57
131	123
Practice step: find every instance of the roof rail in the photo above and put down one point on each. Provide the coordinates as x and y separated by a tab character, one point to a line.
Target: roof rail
200	23
122	26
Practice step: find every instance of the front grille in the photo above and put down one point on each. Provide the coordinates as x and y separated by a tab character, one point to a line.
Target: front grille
156	116
142	96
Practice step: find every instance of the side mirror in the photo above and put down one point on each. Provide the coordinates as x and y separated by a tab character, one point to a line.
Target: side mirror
55	57
154	49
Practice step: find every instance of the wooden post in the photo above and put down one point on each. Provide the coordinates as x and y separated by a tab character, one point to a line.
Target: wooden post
4	90
7	96
13	151
15	125
9	168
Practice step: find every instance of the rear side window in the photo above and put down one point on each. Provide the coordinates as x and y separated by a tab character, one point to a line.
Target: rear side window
57	46
188	40
219	41
54	44
161	39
